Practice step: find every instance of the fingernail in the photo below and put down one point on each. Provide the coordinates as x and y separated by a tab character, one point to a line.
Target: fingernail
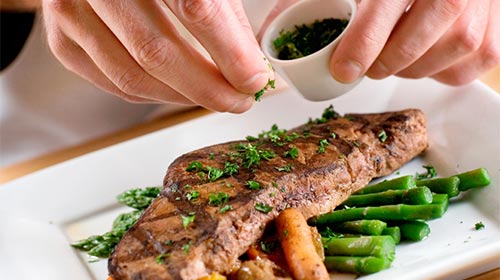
378	70
347	71
242	105
258	80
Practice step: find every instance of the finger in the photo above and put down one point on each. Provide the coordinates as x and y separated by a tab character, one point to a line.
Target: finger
365	39
485	58
463	38
84	27
76	60
152	40
219	29
418	30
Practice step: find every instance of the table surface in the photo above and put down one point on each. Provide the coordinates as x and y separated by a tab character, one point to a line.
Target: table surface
491	78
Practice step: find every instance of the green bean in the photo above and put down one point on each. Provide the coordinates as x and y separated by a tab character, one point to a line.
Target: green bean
356	265
368	227
377	246
473	179
420	195
447	185
414	230
400	183
393	232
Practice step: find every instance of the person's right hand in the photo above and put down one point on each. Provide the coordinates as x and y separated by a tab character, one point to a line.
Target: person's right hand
133	50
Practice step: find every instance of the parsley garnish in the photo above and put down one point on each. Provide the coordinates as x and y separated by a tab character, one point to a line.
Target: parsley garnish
193	195
286	168
230	168
322	146
356	143
194	166
186	247
214	173
160	259
382	136
252	156
186	220
293	153
269	85
479	226
218	199
225	208
262	207
431	173
253	185
267	247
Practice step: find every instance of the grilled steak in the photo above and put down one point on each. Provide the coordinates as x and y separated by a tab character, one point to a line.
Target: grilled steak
208	214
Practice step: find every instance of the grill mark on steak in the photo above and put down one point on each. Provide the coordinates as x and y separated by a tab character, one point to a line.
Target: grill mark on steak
317	184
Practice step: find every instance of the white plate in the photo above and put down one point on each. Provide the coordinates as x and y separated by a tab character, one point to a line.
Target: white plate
43	212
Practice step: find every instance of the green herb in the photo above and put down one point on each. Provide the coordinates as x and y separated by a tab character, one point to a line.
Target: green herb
195	166
160	259
186	220
293	153
308	38
479	226
333	135
187	187
267	247
218	199
138	198
225	208
285	232
102	245
286	168
262	207
213	173
251	138
322	146
269	85
356	143
169	242
186	247
382	136
431	173
253	185
271	194
230	168
211	156
193	195
252	156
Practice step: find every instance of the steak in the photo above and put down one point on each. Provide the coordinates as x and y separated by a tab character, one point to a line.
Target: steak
209	213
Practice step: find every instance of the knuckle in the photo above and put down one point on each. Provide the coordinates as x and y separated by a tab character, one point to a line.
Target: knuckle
154	53
130	81
491	54
199	11
407	52
450	8
468	40
60	6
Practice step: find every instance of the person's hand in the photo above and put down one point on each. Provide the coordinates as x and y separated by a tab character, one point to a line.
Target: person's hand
452	41
133	50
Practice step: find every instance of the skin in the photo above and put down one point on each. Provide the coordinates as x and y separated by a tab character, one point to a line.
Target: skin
452	41
131	48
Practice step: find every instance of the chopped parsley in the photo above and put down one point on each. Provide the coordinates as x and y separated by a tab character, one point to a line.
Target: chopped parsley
322	146
186	247
186	220
250	155
267	247
230	168
479	226
216	199
356	143
262	207
431	173
382	136
160	259
213	173
253	185
225	208
286	168
293	152
270	85
192	195
195	166
306	39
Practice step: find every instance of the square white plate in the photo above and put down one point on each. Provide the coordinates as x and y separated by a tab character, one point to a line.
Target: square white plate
44	212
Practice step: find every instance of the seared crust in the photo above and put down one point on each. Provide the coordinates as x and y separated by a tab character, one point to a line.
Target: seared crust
317	183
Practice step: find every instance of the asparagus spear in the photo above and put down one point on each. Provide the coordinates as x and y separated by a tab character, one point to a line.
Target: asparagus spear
368	227
400	183
387	212
420	195
357	265
414	230
447	185
473	179
378	246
